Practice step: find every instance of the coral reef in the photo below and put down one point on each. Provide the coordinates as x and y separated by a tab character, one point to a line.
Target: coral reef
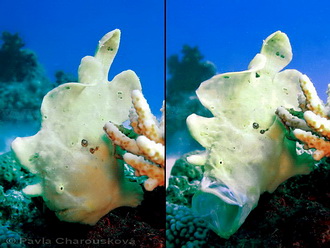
191	64
311	126
126	230
16	209
295	215
5	235
145	153
79	177
183	228
184	181
11	173
247	152
186	73
17	64
22	81
13	203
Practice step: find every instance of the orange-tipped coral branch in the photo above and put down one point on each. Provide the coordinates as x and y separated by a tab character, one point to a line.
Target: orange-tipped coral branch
146	153
143	167
315	119
312	141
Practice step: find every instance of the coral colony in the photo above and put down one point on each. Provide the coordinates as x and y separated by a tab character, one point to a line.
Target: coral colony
79	176
248	149
146	153
313	128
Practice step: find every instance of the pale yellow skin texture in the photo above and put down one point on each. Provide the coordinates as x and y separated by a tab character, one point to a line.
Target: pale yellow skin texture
82	181
246	148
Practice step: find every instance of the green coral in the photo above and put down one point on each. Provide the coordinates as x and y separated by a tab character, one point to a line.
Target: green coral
180	191
9	239
183	228
14	205
183	168
11	174
183	182
14	208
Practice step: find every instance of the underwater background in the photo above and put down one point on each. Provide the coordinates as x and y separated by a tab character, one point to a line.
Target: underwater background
205	38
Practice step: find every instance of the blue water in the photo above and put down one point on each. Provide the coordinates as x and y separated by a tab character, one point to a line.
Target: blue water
230	33
9	131
62	32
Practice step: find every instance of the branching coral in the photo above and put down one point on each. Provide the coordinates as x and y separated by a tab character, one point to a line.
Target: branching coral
146	153
312	127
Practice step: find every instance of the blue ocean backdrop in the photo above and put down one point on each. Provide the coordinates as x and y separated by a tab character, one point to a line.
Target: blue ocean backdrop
230	33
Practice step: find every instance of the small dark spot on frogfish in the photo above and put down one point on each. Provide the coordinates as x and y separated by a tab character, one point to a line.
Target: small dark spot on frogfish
255	125
84	143
263	131
92	150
